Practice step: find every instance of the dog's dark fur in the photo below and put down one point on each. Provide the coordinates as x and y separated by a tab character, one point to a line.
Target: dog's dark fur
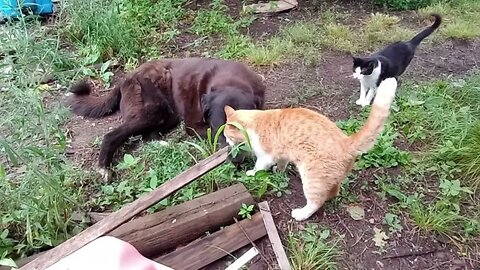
202	86
158	94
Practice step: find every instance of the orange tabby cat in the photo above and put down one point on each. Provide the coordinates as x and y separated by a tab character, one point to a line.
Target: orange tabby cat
323	154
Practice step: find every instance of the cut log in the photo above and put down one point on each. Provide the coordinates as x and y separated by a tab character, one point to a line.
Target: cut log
157	233
277	246
203	252
117	218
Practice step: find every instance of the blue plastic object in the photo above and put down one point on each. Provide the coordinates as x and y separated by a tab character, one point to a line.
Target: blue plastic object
9	8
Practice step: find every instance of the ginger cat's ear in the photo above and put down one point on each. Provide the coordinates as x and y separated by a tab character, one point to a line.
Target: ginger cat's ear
228	110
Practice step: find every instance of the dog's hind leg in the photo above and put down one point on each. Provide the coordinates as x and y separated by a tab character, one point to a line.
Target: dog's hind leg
113	140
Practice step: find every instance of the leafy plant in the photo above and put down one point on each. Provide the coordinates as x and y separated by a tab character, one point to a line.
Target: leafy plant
246	211
393	222
311	249
384	153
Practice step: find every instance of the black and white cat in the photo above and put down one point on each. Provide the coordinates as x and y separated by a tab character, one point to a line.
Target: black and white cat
389	62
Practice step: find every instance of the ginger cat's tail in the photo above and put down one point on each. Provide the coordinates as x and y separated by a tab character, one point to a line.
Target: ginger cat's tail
364	140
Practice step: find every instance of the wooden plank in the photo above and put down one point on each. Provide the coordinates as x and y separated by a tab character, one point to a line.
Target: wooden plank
161	232
277	246
127	212
203	252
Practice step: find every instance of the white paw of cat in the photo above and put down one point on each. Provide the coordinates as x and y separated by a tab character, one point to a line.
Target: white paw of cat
275	169
251	172
359	101
364	103
300	214
105	173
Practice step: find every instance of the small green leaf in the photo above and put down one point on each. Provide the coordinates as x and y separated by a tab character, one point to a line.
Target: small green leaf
8	262
153	179
357	212
105	66
324	234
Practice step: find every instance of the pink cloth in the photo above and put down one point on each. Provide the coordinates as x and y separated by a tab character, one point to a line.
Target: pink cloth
107	253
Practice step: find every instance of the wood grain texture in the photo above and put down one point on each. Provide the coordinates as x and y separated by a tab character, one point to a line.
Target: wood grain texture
117	218
277	246
204	251
160	232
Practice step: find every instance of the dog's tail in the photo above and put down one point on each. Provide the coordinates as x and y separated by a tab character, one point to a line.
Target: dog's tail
364	140
427	31
82	103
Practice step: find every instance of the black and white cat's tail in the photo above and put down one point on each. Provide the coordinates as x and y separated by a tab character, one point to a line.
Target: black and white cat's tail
428	31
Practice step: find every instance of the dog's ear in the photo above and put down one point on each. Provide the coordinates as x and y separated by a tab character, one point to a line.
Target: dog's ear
228	110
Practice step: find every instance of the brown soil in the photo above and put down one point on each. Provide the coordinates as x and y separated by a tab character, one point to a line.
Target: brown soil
336	100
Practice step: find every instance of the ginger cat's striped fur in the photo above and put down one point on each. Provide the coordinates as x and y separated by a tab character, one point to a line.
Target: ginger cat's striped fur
323	154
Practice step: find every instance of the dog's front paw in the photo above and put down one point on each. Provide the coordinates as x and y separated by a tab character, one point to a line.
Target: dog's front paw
251	172
300	214
106	174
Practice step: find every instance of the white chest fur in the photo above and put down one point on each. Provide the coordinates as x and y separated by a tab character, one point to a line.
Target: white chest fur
264	160
368	84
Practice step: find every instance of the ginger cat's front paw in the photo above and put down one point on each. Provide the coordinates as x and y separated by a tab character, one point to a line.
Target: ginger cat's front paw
251	172
300	214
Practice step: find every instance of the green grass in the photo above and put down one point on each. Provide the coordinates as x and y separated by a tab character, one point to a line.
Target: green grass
442	116
460	18
312	248
38	191
384	153
448	111
403	4
124	29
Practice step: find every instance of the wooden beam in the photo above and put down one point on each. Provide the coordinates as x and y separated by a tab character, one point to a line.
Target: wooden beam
117	218
277	246
163	231
204	251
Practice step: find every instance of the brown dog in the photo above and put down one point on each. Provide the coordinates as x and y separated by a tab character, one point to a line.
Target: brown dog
158	94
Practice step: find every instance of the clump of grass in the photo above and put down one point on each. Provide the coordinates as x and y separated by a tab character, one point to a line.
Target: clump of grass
38	188
154	165
461	29
311	249
448	111
237	46
339	37
460	18
213	20
121	28
384	153
301	33
382	28
297	40
403	4
270	53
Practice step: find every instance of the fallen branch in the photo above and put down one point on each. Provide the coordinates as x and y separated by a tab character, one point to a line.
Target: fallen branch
411	253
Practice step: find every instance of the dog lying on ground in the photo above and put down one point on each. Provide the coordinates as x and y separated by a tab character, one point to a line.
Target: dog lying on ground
156	96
